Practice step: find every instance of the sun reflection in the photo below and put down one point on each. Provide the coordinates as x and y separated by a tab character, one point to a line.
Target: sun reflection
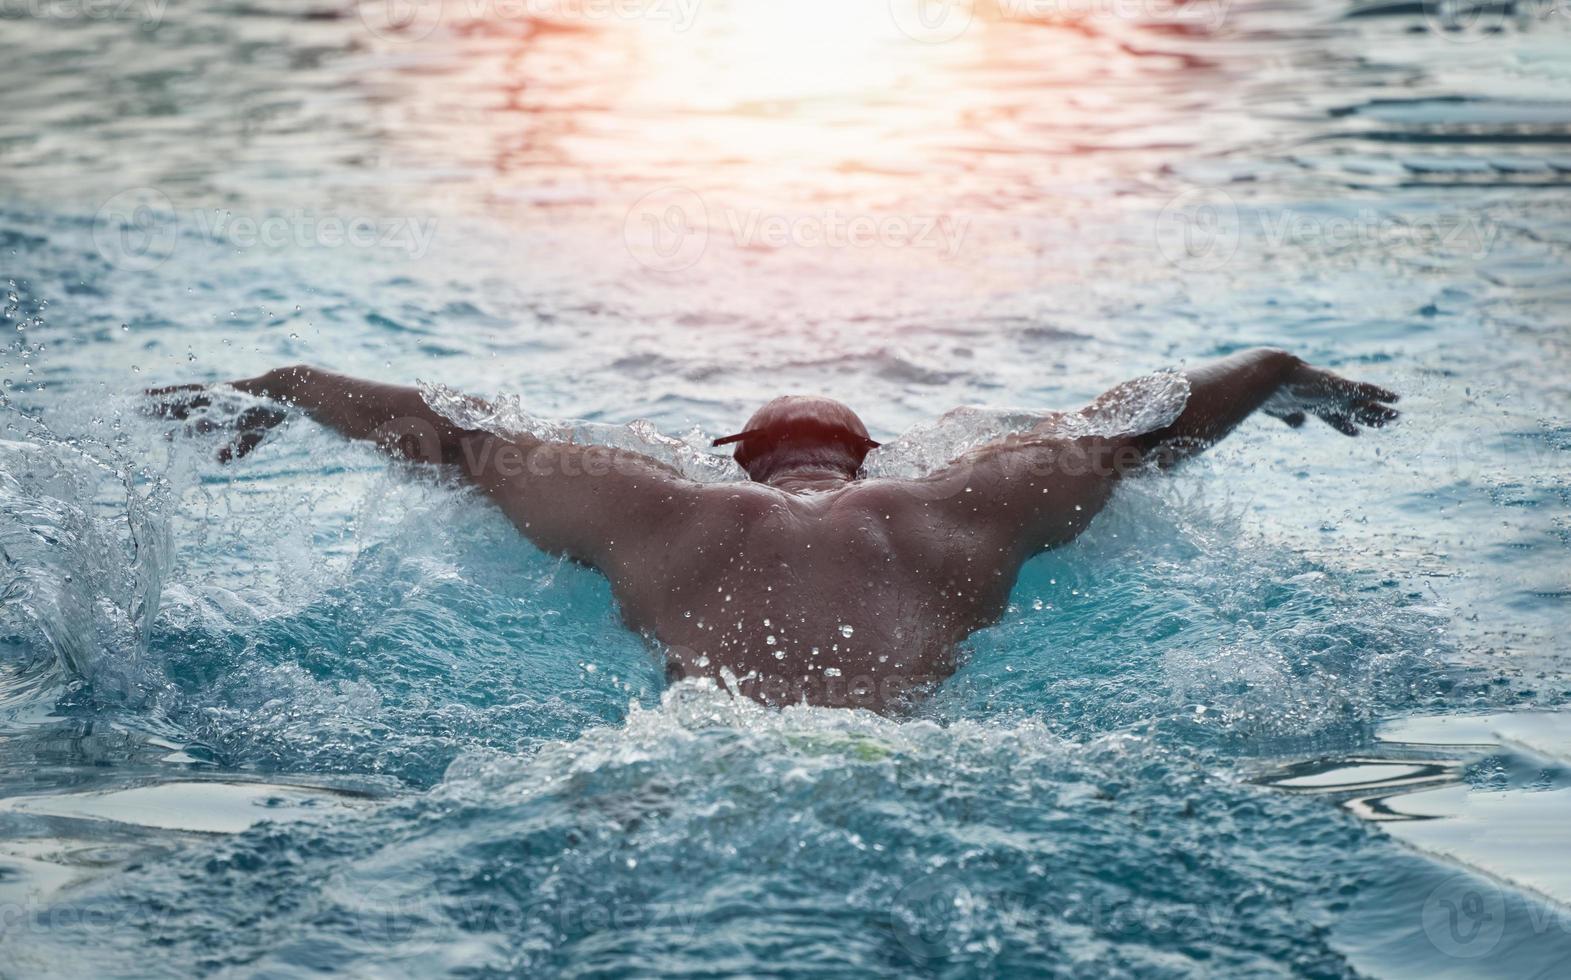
770	51
882	107
761	94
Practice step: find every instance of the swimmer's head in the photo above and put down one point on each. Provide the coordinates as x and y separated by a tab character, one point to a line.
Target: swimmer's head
801	432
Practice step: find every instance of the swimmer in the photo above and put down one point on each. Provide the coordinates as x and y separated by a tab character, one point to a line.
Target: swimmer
809	582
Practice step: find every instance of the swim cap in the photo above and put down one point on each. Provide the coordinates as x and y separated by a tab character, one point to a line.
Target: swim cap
803	419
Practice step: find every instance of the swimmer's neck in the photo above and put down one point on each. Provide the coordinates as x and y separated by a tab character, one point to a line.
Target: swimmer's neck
808	479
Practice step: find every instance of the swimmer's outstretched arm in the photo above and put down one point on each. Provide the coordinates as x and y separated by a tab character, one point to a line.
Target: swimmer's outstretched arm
1225	392
394	417
593	503
1040	489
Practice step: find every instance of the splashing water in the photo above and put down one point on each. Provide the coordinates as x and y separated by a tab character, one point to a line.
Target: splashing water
506	415
82	577
1132	408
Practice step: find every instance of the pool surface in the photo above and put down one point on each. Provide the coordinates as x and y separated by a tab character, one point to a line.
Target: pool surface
1292	711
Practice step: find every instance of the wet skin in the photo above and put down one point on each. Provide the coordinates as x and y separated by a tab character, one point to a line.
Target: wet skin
814	585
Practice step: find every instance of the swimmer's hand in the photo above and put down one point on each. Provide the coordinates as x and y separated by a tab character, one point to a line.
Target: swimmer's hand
190	403
1343	404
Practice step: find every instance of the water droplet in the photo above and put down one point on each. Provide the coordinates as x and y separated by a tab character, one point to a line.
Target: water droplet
688	614
831	671
846	630
770	639
1036	604
779	654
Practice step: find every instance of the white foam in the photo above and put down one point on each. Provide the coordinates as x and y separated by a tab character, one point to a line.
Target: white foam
1141	405
506	415
1137	406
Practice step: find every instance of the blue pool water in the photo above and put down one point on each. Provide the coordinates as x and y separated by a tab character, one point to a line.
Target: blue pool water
1293	711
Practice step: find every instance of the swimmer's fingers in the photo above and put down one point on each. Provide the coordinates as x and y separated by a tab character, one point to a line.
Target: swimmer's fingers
177	401
253	424
1371	415
1315	383
1340	422
1371	393
185	403
1343	404
1374	415
241	447
1293	418
260	418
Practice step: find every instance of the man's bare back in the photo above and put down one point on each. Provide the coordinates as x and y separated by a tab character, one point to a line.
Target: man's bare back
808	583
